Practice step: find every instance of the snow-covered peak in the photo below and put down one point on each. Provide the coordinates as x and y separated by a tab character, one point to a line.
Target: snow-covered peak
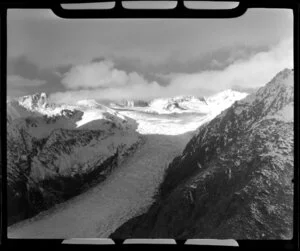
224	99
178	104
34	101
99	114
226	95
181	104
91	104
30	105
39	105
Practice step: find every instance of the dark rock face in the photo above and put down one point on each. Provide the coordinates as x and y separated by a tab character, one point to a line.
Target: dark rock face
234	178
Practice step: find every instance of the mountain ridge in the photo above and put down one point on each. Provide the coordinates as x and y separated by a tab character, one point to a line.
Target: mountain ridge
56	151
236	184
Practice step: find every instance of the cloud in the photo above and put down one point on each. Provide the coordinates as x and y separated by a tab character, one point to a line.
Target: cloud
50	42
101	80
139	91
99	74
16	81
215	63
253	72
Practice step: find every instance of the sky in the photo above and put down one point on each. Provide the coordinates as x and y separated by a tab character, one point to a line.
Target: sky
117	59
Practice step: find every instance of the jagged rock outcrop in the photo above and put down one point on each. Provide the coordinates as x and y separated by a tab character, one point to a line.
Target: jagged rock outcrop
234	178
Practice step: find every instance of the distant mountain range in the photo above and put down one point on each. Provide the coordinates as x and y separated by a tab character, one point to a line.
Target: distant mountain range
234	178
185	104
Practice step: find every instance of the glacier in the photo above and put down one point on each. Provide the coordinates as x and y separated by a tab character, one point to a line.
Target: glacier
129	189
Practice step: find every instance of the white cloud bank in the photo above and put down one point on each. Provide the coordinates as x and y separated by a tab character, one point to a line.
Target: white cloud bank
253	72
95	74
101	80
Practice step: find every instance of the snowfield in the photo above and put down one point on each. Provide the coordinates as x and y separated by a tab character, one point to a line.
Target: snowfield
177	115
167	124
128	191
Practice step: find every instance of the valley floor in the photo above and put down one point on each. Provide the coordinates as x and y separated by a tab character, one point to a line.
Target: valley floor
127	192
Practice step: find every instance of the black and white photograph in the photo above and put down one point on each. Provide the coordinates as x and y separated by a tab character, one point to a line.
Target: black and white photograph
150	128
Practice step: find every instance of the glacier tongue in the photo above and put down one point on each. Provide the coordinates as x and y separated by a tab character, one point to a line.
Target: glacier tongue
99	211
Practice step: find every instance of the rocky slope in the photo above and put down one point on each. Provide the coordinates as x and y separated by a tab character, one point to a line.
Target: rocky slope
55	152
234	178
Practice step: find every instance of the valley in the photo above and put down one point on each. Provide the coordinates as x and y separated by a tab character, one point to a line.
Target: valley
128	191
150	127
91	166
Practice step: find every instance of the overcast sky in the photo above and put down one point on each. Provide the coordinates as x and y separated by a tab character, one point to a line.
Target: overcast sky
79	59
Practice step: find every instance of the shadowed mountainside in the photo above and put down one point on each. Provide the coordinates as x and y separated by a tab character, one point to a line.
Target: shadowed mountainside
234	178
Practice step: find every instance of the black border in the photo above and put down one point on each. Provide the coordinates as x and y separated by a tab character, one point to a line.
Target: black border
180	11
